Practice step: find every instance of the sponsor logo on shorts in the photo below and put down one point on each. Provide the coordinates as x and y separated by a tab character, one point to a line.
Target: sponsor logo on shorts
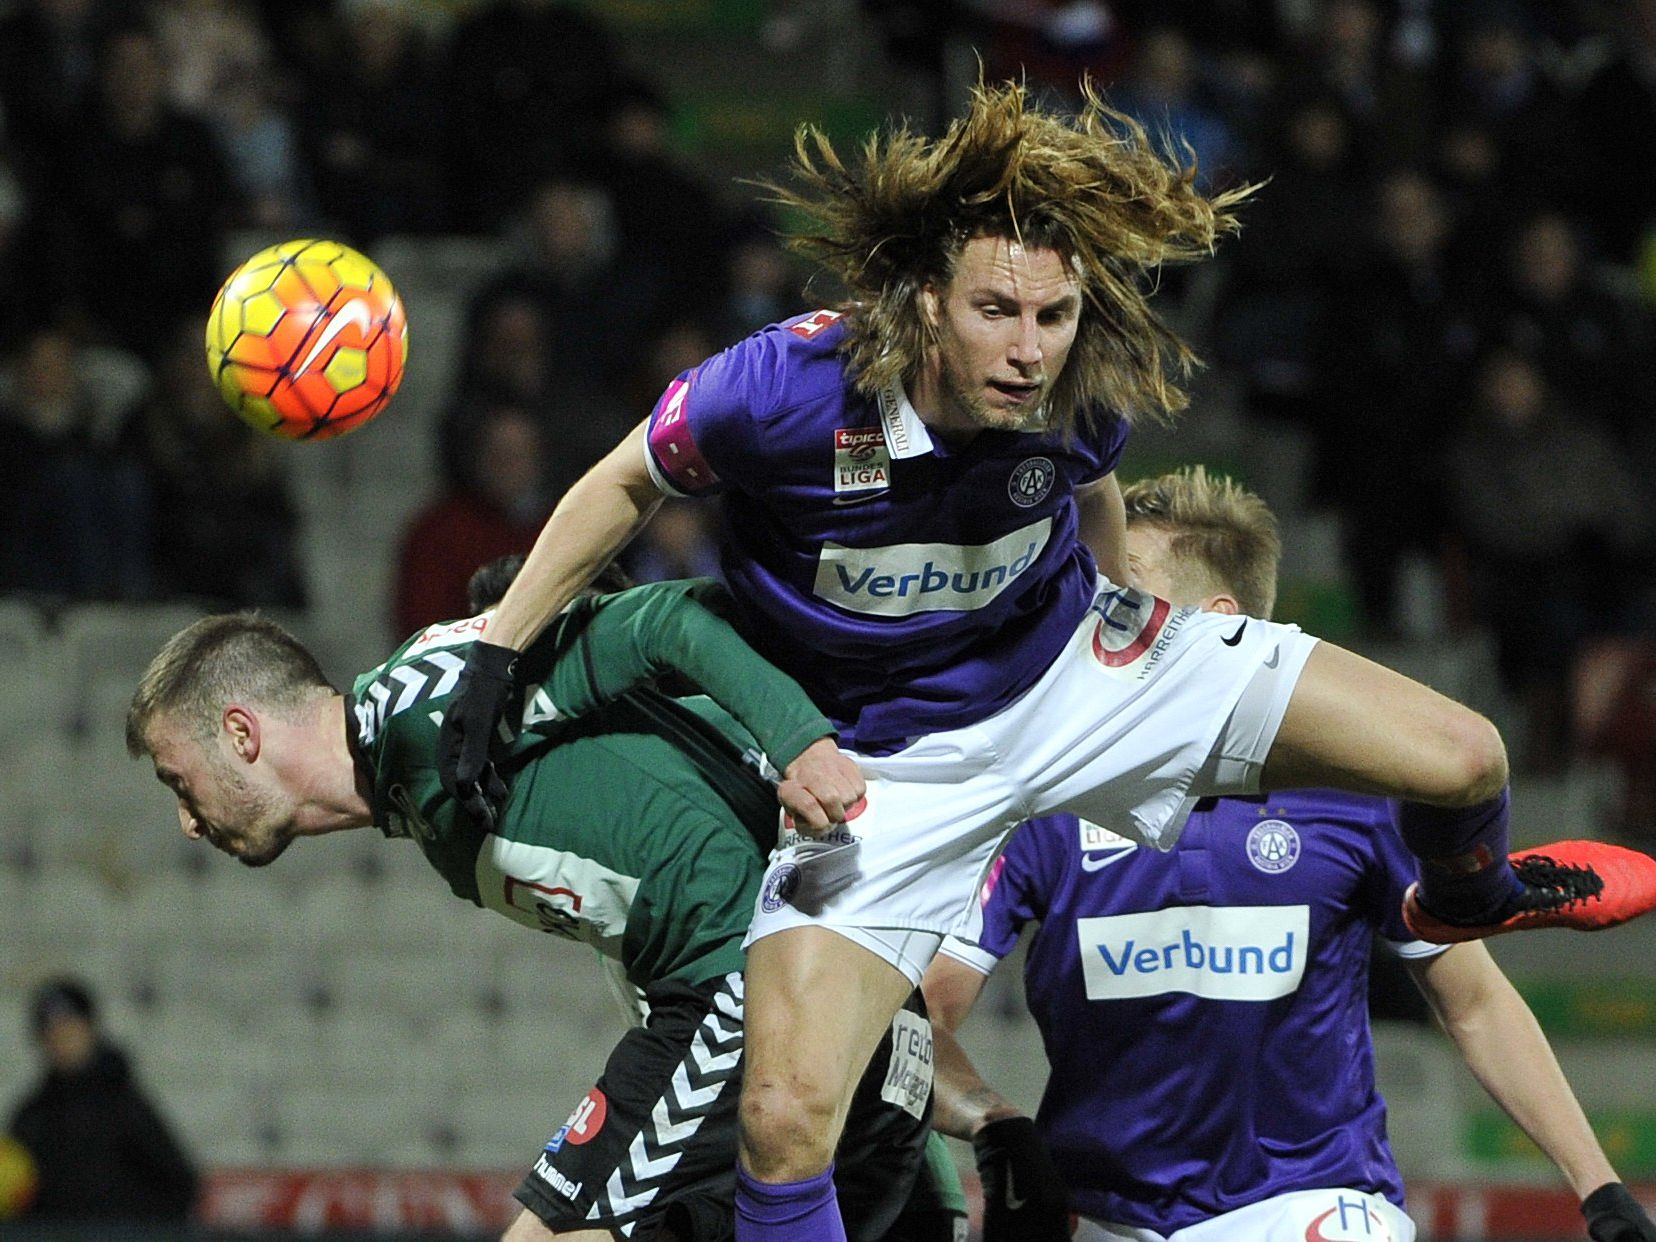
1031	482
1349	1220
780	886
1273	846
548	1173
905	578
1247	953
1133	632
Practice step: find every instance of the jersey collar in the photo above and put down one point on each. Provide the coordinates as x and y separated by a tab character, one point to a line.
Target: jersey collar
905	435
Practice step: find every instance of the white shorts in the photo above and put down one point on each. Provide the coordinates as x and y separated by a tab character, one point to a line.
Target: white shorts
1332	1215
1147	708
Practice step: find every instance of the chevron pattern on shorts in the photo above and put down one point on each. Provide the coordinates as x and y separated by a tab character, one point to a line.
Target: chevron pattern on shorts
708	1068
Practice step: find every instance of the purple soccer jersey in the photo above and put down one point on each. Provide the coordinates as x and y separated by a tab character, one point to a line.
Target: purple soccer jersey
908	584
1205	1011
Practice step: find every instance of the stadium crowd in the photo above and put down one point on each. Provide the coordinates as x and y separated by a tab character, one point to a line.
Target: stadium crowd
1445	286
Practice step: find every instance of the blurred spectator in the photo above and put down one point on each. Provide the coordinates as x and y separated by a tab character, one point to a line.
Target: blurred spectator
103	1151
33	298
509	360
48	58
1295	243
1498	83
1051	43
262	145
760	285
76	513
679	542
225	527
1589	343
527	80
675	349
1616	137
595	297
1471	169
1395	346
498	505
1555	524
373	132
1163	93
208	45
665	216
150	196
1383	95
1613	703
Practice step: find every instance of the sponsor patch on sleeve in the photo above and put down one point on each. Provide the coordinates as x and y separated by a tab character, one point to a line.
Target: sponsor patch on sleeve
675	461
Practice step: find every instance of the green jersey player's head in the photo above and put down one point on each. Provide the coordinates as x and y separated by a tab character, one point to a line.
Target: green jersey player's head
1203	541
246	731
1002	273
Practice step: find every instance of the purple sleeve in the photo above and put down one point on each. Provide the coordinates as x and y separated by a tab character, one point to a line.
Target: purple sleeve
702	436
1021	882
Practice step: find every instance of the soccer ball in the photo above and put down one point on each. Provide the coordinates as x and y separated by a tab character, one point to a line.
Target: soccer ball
307	340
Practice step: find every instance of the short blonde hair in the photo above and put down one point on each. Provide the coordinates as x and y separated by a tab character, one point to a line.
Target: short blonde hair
1093	188
215	661
1217	527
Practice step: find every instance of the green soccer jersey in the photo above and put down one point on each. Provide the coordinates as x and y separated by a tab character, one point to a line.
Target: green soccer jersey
634	821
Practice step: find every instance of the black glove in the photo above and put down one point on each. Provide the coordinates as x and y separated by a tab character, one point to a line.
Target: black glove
469	727
1023	1198
1613	1215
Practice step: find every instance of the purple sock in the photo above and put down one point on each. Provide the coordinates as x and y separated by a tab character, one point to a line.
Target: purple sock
1464	874
804	1211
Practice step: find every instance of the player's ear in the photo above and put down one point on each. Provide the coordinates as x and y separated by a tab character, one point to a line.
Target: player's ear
242	727
1222	603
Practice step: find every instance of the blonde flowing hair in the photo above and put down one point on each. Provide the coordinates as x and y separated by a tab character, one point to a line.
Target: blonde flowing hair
1093	188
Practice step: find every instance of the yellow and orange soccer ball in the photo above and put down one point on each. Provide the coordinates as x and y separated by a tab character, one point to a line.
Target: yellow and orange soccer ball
307	340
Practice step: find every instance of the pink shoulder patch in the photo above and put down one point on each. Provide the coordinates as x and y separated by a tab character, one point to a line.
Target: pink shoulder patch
673	446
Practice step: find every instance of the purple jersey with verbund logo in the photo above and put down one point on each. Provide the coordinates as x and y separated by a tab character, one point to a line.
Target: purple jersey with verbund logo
1205	1011
910	585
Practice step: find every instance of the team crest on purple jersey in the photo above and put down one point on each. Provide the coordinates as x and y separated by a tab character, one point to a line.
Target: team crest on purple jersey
1031	482
1273	846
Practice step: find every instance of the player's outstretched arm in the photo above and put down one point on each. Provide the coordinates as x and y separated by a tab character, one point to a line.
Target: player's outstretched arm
1509	1055
616	643
1023	1197
593	522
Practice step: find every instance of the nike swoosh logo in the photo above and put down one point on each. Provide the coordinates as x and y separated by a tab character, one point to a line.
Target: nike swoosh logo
355	311
1276	657
1013	1203
842	501
1090	862
1236	637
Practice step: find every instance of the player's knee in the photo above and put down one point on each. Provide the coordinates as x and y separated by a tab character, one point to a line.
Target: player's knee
1474	761
787	1130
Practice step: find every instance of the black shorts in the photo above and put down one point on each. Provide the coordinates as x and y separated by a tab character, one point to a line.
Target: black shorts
657	1135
